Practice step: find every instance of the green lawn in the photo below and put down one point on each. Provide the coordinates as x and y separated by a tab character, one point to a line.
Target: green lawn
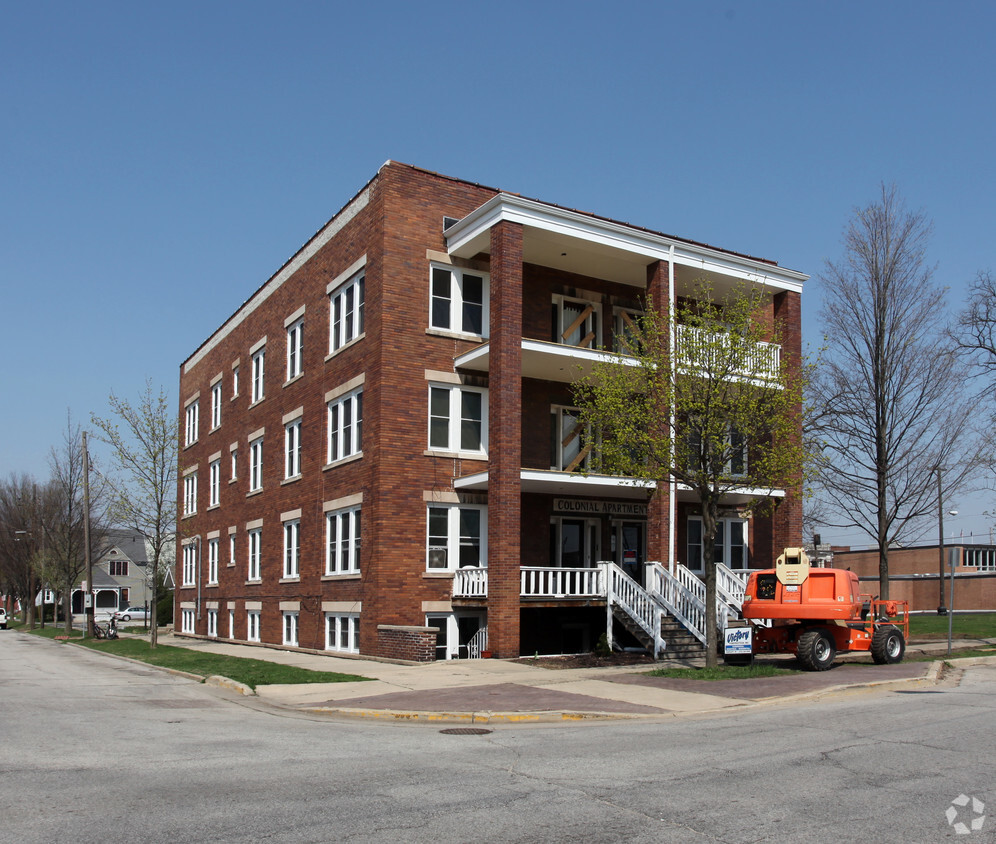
252	672
963	626
722	672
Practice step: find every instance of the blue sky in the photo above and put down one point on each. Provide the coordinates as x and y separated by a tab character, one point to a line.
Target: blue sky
158	163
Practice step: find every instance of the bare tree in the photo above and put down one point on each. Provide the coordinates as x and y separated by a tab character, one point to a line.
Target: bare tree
65	560
144	439
713	410
18	541
887	401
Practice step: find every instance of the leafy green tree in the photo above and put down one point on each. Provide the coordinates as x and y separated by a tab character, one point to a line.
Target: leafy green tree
700	397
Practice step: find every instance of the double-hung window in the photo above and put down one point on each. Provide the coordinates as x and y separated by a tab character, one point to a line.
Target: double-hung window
342	632
255	549
190	564
345	426
458	300
292	449
213	623
456	537
258	367
190	494
187	621
256	464
295	349
216	405
730	547
214	487
292	548
458	419
290	629
231	548
342	533
214	549
346	312
252	625
191	417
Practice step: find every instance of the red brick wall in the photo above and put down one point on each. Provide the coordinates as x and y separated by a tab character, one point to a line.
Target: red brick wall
412	644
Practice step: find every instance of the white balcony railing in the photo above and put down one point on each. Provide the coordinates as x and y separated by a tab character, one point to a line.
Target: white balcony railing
696	345
537	582
470	583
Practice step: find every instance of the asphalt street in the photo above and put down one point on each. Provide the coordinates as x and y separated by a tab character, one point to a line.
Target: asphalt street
95	749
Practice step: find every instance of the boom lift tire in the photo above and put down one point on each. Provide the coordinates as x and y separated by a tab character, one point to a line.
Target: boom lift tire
888	645
816	649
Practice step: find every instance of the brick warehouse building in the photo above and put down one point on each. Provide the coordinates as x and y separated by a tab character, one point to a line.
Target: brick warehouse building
379	443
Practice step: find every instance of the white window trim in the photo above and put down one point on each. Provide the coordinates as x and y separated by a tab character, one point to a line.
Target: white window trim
256	465
355	323
455	420
295	349
292	449
190	494
214	552
455	299
214	478
216	399
252	625
254	538
292	549
212	623
189	564
258	375
452	546
334	431
354	542
563	324
290	629
334	622
192	422
696	565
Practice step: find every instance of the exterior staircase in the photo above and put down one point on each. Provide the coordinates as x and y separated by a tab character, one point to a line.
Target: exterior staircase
669	618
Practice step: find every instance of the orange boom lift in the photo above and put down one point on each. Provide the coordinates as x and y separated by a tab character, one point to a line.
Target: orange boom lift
815	613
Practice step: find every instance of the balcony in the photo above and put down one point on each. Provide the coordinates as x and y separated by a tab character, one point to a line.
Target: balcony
695	345
536	582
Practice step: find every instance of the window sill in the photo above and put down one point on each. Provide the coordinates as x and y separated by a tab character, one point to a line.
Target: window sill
291	480
297	377
258	401
254	583
350	575
210	585
295	579
232	480
253	492
456	455
343	460
441	574
189	515
214	507
455	335
345	346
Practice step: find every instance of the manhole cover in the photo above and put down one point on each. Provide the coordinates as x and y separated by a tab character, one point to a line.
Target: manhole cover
466	731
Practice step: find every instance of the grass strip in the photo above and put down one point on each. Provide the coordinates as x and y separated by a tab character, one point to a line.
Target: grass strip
252	672
721	672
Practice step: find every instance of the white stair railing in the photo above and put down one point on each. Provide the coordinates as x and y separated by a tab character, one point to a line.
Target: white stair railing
477	643
624	592
681	595
730	585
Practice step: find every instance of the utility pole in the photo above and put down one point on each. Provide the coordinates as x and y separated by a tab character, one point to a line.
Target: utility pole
88	605
941	609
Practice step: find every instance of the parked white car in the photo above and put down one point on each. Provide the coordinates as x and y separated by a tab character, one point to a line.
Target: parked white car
132	614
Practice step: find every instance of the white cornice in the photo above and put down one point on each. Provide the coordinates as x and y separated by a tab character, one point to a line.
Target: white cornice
652	246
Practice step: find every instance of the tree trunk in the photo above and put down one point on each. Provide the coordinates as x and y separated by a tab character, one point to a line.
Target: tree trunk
710	518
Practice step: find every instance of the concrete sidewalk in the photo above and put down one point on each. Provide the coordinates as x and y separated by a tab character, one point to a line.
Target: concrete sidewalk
495	690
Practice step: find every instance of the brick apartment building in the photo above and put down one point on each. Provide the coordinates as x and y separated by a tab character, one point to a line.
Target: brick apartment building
377	452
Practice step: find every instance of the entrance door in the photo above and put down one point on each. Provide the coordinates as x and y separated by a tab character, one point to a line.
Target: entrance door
575	543
629	547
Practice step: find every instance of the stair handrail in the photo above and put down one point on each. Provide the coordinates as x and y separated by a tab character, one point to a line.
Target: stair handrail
624	592
679	597
477	643
730	585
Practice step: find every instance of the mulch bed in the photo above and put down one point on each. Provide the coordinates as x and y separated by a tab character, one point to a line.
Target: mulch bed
588	660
